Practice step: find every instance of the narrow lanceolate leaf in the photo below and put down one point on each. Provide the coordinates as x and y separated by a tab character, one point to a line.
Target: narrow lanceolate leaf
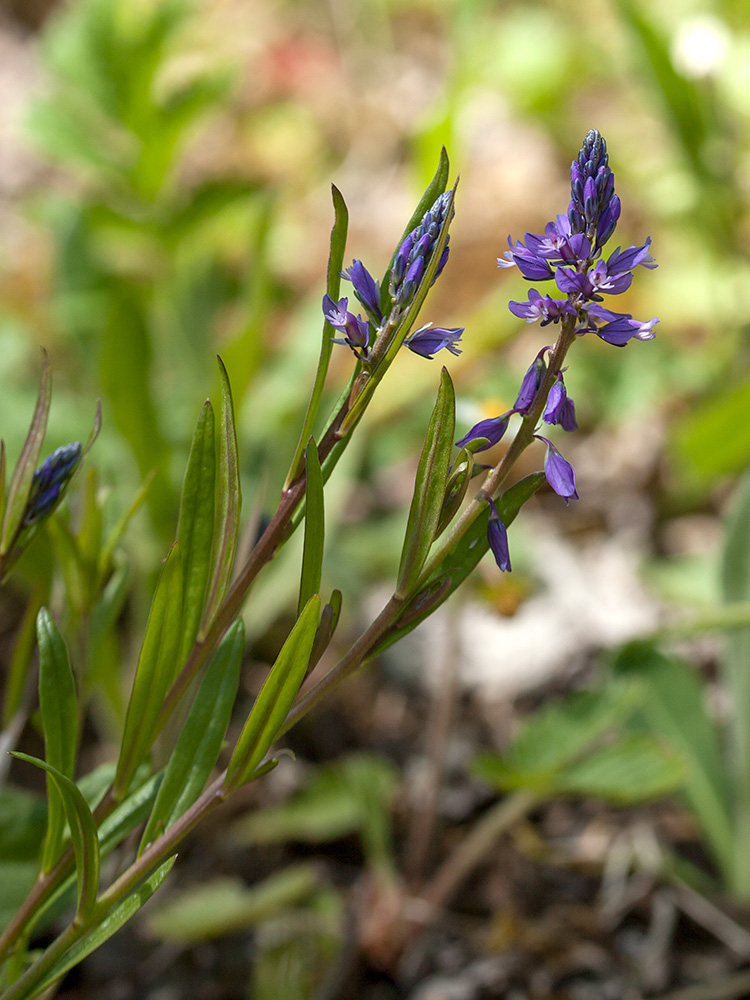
329	619
23	473
59	712
201	738
312	556
82	833
228	502
108	926
275	699
157	668
195	527
429	487
434	189
333	286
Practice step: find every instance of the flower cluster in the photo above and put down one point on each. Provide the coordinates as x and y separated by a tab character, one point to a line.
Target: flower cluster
410	263
569	251
50	481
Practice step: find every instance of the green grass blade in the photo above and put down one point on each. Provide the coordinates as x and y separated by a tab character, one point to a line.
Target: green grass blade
275	699
23	473
429	487
59	714
333	286
227	505
195	527
201	738
157	669
315	526
82	832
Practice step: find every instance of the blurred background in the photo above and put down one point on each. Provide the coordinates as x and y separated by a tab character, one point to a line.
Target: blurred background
164	196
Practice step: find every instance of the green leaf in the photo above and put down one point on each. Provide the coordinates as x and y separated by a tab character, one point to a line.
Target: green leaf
713	438
59	713
223	906
335	801
434	189
675	710
2	481
429	487
228	502
460	561
329	619
275	699
735	578
195	527
82	831
455	489
555	737
201	738
157	668
333	285
315	526
23	473
630	770
108	926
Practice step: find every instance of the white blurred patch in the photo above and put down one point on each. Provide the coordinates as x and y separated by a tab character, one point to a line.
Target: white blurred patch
700	46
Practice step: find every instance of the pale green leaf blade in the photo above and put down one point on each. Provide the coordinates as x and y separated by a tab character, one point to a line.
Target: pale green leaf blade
2	481
228	503
224	906
429	487
333	286
195	527
112	923
59	714
315	526
674	707
25	467
632	769
556	736
157	668
83	834
200	740
276	696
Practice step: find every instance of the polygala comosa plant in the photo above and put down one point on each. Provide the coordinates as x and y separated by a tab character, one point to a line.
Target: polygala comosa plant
190	657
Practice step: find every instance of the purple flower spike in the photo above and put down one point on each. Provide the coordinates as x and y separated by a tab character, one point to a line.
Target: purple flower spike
50	479
531	382
356	330
497	535
560	474
428	340
365	287
414	255
560	408
492	428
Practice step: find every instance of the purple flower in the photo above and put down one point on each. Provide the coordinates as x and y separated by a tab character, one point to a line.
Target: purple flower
617	328
356	330
627	260
560	474
531	382
50	481
541	307
531	265
415	254
428	340
492	428
497	535
594	207
560	408
365	287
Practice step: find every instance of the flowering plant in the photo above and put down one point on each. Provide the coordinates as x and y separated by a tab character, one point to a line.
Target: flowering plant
192	649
